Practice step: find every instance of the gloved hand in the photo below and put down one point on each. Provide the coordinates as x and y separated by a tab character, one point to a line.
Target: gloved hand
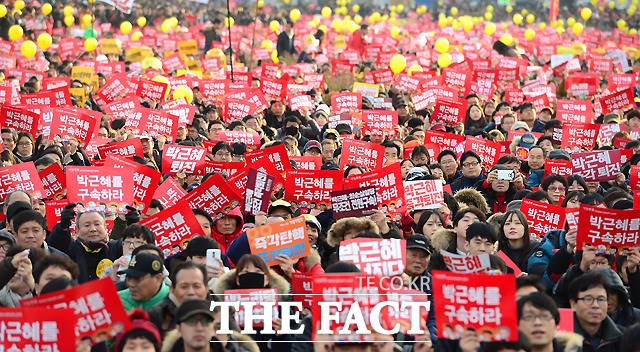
67	215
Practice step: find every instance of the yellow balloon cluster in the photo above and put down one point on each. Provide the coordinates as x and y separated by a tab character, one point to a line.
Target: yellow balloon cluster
442	45
126	27
294	15
67	11
529	34
397	63
90	44
69	21
585	13
141	21
444	60
326	12
15	32
183	91
506	39
489	28
28	49
3	10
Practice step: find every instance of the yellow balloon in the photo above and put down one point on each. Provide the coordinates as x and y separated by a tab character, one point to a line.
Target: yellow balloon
399	8
19	5
454	11
15	32
163	79
229	21
260	3
489	28
69	20
442	45
294	15
489	8
68	11
517	19
326	12
542	25
467	26
165	26
126	27
151	62
631	10
136	36
3	10
414	68
355	8
529	34
442	22
570	21
611	4
622	24
531	18
509	8
183	91
274	26
633	31
444	60
28	49
266	44
577	28
398	63
274	57
585	13
323	28
357	19
44	41
141	21
90	44
594	2
506	39
560	30
488	16
87	18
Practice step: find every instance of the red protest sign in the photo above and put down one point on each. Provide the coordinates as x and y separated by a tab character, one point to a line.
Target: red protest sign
174	227
169	192
155	122
308	162
72	123
256	296
258	192
53	181
466	264
113	187
346	102
388	184
151	90
301	101
54	212
443	139
225	168
360	153
598	165
634	177
182	158
542	217
375	256
251	139
577	137
235	109
620	100
145	179
37	329
609	229
302	289
484	302
282	238
379	120
23	176
185	113
488	151
310	188
403	317
214	196
277	155
575	111
424	194
273	88
581	84
95	305
21	120
126	148
558	167
122	108
113	90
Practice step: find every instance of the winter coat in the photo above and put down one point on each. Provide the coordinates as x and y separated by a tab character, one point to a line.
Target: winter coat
472	197
163	315
497	201
625	315
237	342
465	182
225	240
609	333
520	256
130	303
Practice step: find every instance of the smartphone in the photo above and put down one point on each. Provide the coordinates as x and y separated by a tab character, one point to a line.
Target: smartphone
214	258
507	175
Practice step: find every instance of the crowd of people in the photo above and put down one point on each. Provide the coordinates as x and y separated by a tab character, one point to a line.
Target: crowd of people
506	83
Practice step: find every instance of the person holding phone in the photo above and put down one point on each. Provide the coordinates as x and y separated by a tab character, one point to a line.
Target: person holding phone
498	189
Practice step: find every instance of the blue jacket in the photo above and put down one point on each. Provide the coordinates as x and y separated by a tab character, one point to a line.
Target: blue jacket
539	260
465	182
534	178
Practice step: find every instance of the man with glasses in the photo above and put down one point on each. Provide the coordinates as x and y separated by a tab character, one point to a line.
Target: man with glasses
449	163
471	164
588	298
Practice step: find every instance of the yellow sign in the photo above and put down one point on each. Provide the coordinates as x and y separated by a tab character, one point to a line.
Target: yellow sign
80	94
188	47
366	89
138	53
83	74
110	46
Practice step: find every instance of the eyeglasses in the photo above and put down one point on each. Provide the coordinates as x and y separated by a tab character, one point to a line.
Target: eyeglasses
470	164
590	299
133	244
554	188
533	317
5	246
24	144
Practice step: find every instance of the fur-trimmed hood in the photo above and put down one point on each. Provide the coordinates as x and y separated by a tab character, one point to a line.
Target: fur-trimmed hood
173	342
567	342
443	239
472	197
338	229
227	282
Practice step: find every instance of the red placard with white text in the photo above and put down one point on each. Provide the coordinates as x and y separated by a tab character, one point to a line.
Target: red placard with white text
310	188
174	227
127	148
276	154
620	100
95	305
346	102
375	256
543	217
488	151
21	120
53	181
308	162
486	303
608	229
379	120
578	137
215	196
424	194
598	165
23	176
113	187
466	264
251	139
448	112
253	295
169	192
360	153
443	139
145	179
283	238
72	123
634	177
388	184
558	167
182	158
37	329
151	90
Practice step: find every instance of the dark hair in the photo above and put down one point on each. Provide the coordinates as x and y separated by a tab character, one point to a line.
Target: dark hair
544	138
14	135
222	145
139	231
50	260
461	213
470	154
529	280
630	341
424	217
547	181
25	134
26	216
390	144
149	247
445	153
585	282
342	267
540	301
508	159
482	230
421	149
502	237
257	261
352	167
577	178
187	266
156	204
539	196
468	122
57	284
592	199
573	194
197	211
44	161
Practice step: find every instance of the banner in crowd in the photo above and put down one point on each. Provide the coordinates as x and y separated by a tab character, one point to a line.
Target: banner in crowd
355	202
542	217
312	189
361	153
256	296
608	229
100	185
258	192
598	165
466	264
173	227
37	329
283	238
375	256
423	194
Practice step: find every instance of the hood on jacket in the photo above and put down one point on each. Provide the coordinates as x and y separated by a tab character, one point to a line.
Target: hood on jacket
568	341
472	197
444	239
616	285
225	240
340	227
227	282
173	342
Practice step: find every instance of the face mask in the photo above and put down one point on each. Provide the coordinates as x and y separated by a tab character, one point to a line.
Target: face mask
291	131
251	280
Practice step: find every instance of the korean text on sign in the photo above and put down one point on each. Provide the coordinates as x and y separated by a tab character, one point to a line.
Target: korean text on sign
373	256
283	238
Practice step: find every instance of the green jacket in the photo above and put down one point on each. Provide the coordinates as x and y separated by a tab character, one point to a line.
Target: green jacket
129	303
